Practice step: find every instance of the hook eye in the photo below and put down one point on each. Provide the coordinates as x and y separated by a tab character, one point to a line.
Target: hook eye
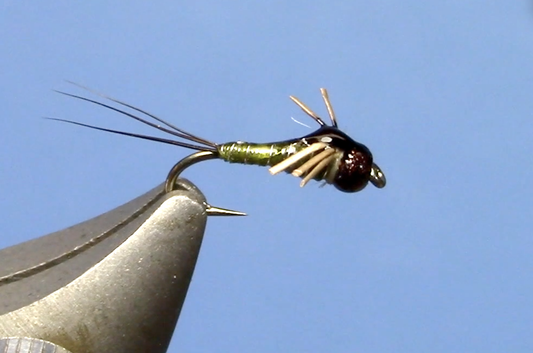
377	178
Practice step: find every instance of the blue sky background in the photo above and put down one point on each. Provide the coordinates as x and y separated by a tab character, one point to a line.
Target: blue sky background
441	260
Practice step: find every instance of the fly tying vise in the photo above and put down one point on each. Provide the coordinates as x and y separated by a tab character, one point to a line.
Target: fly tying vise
326	154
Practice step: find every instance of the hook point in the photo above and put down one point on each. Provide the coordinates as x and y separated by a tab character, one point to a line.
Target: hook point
218	211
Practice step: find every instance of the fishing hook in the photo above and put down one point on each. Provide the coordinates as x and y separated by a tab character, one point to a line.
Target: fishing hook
170	183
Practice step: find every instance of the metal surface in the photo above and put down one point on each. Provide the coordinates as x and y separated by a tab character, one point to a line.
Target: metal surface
115	283
29	345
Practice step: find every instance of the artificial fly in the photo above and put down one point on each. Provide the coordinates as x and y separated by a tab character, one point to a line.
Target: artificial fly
326	154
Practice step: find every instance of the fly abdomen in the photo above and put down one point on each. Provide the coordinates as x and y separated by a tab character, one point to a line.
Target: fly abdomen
258	153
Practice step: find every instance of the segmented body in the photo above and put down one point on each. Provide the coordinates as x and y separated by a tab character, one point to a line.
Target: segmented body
271	154
267	154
